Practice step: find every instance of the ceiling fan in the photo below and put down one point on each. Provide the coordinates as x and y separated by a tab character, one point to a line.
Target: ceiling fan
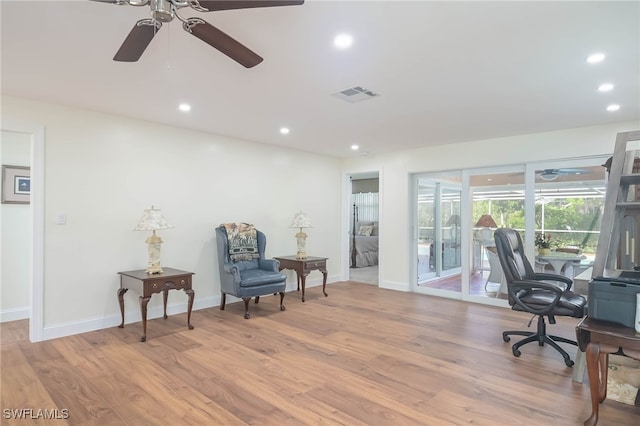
163	11
552	174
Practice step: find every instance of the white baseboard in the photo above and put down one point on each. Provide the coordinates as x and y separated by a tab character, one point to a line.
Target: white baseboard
393	285
133	315
15	314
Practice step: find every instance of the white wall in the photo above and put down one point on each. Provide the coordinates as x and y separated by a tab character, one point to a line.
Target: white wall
102	171
15	236
396	169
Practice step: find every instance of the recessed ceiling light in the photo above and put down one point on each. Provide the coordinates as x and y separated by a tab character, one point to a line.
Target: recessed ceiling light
595	58
184	107
355	147
284	130
606	87
613	107
343	41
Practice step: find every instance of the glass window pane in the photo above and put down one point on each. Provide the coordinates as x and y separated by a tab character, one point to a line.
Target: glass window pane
569	204
497	202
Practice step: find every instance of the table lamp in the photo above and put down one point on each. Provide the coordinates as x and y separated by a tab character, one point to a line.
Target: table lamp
454	223
486	222
301	220
152	220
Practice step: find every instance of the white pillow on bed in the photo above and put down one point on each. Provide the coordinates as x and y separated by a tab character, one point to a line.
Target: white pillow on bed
365	230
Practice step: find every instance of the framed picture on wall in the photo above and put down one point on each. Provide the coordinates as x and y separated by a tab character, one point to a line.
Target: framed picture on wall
16	184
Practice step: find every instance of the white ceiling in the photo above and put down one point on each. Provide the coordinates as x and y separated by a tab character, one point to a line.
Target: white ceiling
447	72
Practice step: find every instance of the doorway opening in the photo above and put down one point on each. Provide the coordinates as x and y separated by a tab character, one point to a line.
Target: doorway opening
364	228
22	133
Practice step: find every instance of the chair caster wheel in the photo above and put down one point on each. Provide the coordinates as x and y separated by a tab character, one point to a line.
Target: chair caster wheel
506	338
516	353
247	316
282	308
569	363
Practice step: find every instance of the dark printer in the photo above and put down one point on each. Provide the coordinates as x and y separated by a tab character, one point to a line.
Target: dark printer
614	298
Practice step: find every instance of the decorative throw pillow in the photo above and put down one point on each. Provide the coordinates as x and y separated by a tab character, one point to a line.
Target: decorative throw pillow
365	230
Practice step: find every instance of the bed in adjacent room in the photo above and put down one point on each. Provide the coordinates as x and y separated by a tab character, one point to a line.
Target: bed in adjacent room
365	242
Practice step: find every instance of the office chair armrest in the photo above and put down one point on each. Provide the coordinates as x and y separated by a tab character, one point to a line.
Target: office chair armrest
519	285
554	277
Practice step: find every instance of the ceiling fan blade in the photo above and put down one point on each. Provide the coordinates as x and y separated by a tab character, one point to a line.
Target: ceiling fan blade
221	41
212	5
137	41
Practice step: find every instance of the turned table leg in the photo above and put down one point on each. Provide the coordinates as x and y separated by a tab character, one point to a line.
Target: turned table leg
165	296
303	279
324	282
191	295
144	301
595	380
121	293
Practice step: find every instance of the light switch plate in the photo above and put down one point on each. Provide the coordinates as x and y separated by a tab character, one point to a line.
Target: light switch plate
61	219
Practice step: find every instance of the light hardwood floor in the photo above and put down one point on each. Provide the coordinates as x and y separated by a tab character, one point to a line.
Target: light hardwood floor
362	356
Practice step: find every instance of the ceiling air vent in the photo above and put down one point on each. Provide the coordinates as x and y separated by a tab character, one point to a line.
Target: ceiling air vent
355	94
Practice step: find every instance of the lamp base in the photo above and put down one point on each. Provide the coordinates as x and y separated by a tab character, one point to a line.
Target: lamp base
153	263
486	234
155	269
301	239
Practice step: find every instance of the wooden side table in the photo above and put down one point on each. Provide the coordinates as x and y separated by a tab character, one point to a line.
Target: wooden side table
147	284
303	267
599	339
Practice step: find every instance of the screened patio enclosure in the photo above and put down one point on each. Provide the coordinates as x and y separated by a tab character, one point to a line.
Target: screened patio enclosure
456	213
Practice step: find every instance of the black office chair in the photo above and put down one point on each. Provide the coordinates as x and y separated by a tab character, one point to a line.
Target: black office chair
541	294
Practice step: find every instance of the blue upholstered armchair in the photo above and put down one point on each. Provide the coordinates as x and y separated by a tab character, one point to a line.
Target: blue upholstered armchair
247	275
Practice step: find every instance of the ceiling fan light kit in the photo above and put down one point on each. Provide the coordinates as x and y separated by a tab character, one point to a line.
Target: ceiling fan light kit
163	11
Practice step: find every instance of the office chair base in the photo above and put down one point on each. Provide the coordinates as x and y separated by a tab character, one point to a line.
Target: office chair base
541	337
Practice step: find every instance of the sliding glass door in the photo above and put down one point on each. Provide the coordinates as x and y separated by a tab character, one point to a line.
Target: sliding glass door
439	234
569	204
497	201
457	212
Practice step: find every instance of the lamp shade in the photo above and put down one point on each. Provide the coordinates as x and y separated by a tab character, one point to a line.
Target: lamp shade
486	221
300	220
152	219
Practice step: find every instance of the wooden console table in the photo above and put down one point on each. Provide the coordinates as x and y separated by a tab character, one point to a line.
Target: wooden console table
599	339
147	284
303	267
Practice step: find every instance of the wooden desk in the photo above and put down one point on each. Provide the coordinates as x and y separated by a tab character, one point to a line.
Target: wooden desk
599	339
148	284
303	267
